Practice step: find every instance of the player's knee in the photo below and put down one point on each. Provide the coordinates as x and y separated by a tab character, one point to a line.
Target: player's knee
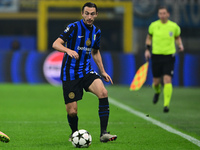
156	81
167	79
72	114
156	84
103	93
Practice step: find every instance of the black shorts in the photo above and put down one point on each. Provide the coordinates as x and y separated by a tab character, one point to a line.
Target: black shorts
73	90
163	65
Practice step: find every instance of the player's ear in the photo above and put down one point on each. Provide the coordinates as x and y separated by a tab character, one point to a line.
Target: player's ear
168	14
82	12
96	14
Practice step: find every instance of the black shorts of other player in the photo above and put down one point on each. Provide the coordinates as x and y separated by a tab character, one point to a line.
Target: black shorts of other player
163	65
73	90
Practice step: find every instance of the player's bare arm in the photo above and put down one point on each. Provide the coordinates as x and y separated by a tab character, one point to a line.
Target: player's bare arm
98	60
179	43
58	45
147	53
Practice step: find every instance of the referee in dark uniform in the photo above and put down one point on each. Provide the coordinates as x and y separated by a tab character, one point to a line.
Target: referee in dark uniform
83	41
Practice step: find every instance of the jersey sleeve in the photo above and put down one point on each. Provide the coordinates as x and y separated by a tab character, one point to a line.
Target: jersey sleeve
97	41
150	30
67	33
177	31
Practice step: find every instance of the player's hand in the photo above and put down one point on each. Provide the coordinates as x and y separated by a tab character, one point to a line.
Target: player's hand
73	54
181	48
106	77
147	55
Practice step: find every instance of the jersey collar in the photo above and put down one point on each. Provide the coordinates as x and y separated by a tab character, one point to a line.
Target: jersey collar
85	26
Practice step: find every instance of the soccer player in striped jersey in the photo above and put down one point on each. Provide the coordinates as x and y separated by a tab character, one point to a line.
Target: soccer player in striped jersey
163	34
82	40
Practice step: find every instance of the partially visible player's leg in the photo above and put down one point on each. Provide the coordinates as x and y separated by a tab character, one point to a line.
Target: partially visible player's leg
157	74
157	85
157	88
168	89
100	91
167	79
72	92
97	88
72	116
4	137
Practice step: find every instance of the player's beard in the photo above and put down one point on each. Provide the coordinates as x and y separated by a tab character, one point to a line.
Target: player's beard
164	20
89	22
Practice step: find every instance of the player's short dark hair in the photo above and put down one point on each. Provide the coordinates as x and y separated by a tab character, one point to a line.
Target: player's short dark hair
89	4
163	7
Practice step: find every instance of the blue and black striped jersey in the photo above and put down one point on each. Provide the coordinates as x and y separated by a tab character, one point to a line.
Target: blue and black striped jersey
81	39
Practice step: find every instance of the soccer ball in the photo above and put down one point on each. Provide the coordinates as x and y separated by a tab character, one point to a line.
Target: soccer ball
81	138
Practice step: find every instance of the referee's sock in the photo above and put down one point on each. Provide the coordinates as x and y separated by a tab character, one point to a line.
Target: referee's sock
168	88
73	123
157	88
103	113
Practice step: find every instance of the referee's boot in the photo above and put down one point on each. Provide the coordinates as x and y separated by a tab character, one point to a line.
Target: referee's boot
156	97
166	109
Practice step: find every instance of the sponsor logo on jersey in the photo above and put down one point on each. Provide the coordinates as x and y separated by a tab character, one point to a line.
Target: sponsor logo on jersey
88	50
52	67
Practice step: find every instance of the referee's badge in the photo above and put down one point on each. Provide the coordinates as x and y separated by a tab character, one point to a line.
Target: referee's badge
88	42
170	33
71	95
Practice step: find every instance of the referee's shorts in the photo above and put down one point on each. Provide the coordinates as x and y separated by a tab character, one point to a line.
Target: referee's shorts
163	65
73	90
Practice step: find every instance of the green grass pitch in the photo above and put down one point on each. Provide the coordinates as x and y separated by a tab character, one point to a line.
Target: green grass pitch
34	118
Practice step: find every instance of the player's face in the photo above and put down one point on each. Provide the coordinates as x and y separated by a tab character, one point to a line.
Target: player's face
163	15
89	14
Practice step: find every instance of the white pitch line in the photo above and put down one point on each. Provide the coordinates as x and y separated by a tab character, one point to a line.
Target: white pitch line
158	123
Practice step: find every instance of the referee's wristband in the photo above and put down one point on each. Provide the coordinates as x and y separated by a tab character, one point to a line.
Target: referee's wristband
148	47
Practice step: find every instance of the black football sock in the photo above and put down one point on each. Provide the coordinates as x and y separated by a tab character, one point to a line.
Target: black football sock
73	123
103	113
